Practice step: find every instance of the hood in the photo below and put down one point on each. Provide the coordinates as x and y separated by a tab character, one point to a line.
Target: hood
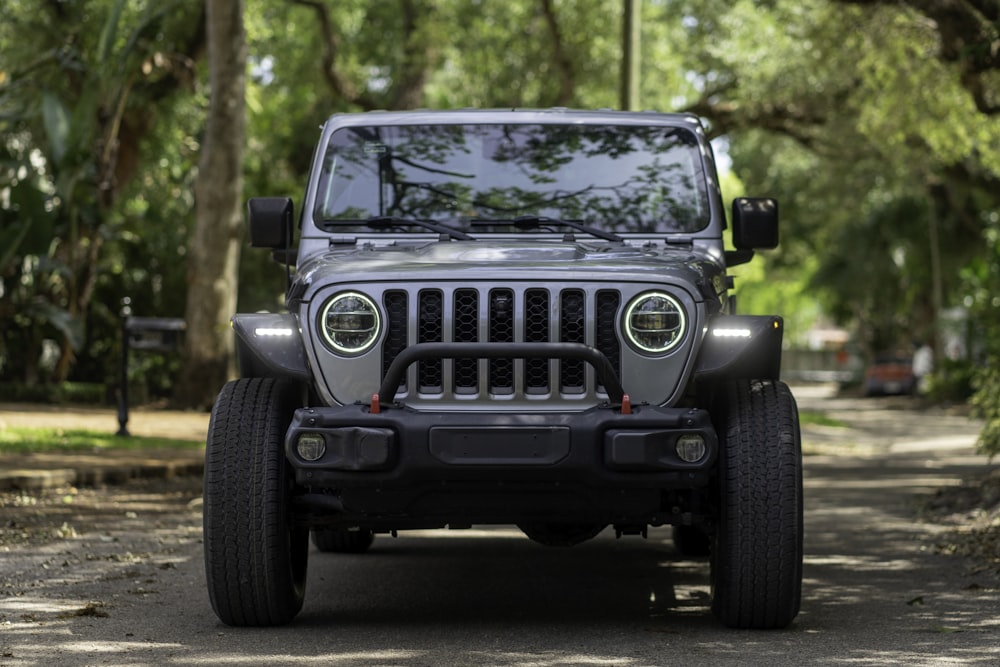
514	260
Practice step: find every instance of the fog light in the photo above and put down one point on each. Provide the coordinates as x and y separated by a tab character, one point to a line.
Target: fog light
690	448
310	446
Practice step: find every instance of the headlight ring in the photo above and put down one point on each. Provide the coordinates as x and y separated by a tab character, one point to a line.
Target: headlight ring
350	323
654	323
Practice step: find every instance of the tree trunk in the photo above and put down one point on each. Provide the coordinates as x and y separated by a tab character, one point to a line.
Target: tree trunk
214	252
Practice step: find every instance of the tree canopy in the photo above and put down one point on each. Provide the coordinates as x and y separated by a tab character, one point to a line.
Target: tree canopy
875	123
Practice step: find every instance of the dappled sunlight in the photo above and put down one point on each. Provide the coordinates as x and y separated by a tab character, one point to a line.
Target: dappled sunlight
888	481
860	563
100	648
129	590
417	659
921	655
552	659
34	605
372	657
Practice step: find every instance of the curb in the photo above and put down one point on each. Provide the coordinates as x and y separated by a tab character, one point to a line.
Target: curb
33	472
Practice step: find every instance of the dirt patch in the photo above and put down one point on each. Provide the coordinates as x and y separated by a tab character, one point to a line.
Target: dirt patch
973	512
50	515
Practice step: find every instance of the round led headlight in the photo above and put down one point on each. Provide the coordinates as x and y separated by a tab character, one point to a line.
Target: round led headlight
654	322
350	323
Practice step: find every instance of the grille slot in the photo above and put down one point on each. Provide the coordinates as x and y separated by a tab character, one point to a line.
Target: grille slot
501	319
501	315
572	329
606	337
466	330
536	330
430	327
395	302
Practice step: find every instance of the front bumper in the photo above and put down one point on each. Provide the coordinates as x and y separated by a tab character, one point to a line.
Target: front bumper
405	466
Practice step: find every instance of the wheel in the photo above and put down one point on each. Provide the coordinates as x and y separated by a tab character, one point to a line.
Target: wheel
255	558
342	541
692	541
560	534
756	559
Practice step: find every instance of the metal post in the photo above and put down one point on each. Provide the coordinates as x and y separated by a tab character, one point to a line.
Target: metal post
630	63
123	379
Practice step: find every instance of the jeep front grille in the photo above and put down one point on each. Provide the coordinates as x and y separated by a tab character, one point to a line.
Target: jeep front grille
500	315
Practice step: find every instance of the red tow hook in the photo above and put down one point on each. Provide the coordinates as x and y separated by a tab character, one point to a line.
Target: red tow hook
626	404
376	408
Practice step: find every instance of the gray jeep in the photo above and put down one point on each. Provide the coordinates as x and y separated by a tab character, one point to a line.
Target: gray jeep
507	317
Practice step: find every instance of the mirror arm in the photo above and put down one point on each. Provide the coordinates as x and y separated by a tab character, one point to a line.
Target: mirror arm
737	257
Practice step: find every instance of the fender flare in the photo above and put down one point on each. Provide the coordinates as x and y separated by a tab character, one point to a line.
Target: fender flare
741	347
270	345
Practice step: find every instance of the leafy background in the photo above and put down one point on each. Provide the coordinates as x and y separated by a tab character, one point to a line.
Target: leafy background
876	125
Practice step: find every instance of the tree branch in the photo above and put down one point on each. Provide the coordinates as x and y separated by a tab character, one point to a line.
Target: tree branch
969	31
792	120
340	85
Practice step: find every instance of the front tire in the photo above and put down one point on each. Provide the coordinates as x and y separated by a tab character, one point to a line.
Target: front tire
756	558
255	558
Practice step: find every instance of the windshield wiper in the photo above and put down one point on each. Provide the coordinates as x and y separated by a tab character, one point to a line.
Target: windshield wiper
390	221
538	221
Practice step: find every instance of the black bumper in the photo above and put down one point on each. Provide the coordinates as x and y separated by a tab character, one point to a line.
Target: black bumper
403	466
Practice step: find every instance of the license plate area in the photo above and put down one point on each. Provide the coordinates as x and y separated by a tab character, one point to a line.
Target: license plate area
510	445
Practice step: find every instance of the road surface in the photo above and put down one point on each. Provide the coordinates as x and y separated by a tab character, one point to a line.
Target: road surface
119	581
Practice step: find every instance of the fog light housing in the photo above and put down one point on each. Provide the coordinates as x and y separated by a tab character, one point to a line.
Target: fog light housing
310	446
691	448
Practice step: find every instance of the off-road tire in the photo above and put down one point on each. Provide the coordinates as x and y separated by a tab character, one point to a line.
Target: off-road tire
342	541
255	558
756	559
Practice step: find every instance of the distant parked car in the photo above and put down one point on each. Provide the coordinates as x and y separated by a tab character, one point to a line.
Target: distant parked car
890	375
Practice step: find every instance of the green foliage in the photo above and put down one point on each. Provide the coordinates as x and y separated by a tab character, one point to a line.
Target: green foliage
952	381
812	418
852	118
982	278
860	117
87	393
74	111
986	384
73	102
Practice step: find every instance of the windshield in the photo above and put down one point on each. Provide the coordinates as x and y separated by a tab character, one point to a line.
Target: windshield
626	179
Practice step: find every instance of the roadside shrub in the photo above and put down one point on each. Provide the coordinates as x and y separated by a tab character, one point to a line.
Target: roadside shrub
80	393
952	382
986	404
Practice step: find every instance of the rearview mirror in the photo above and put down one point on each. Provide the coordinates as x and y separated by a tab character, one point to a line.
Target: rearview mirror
755	223
270	221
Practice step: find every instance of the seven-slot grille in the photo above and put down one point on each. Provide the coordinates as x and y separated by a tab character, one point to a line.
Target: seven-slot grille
501	315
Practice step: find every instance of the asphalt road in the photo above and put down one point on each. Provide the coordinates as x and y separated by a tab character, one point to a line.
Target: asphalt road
130	589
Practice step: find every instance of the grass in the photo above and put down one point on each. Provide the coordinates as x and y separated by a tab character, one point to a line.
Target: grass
808	417
839	445
24	440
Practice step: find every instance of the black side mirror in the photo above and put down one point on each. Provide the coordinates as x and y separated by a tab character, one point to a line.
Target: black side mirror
270	220
755	223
